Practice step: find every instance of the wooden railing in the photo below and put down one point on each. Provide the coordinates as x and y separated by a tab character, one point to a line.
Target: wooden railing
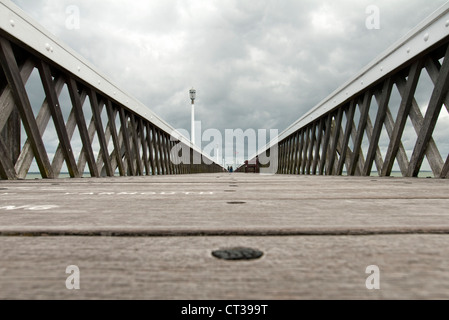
382	119
96	128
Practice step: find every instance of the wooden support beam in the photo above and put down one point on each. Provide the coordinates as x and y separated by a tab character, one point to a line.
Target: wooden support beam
327	131
333	150
157	156
58	119
290	154
295	153
112	113
26	156
345	146
161	152
439	95
125	132
298	163
433	69
7	103
6	165
360	133
170	158
70	126
305	149
403	113
144	146
317	146
136	147
377	130
10	116
312	144
111	158
389	125
96	115
12	73
417	119
280	157
82	128
150	148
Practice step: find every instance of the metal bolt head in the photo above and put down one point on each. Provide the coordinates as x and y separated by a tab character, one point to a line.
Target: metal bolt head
237	253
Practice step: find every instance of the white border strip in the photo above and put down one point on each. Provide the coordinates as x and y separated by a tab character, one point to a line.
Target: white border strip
430	31
18	24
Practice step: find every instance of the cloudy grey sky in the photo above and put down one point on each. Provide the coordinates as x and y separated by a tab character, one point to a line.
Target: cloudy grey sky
255	64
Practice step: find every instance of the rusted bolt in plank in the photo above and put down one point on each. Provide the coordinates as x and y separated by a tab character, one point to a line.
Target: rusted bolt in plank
237	253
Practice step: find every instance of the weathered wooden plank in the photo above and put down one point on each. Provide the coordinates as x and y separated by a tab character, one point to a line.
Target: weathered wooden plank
20	95
295	153
91	130
325	143
26	157
7	103
312	144
161	152
356	152
134	138
345	146
279	168
112	114
96	116
317	146
10	122
333	150
169	154
290	148
298	162
433	111
150	149
445	169
377	155
87	151
433	67
401	119
380	119
126	139
288	153
171	169
120	153
389	125
305	149
58	119
144	146
286	149
281	157
70	125
157	156
7	170
416	117
100	165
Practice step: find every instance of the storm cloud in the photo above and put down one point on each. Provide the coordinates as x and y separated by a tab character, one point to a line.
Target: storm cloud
254	64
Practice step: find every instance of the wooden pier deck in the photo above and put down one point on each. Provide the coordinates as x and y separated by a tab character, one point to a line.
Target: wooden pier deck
152	237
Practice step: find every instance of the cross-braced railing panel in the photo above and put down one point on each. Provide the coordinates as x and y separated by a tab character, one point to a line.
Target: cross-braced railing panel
94	134
380	128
